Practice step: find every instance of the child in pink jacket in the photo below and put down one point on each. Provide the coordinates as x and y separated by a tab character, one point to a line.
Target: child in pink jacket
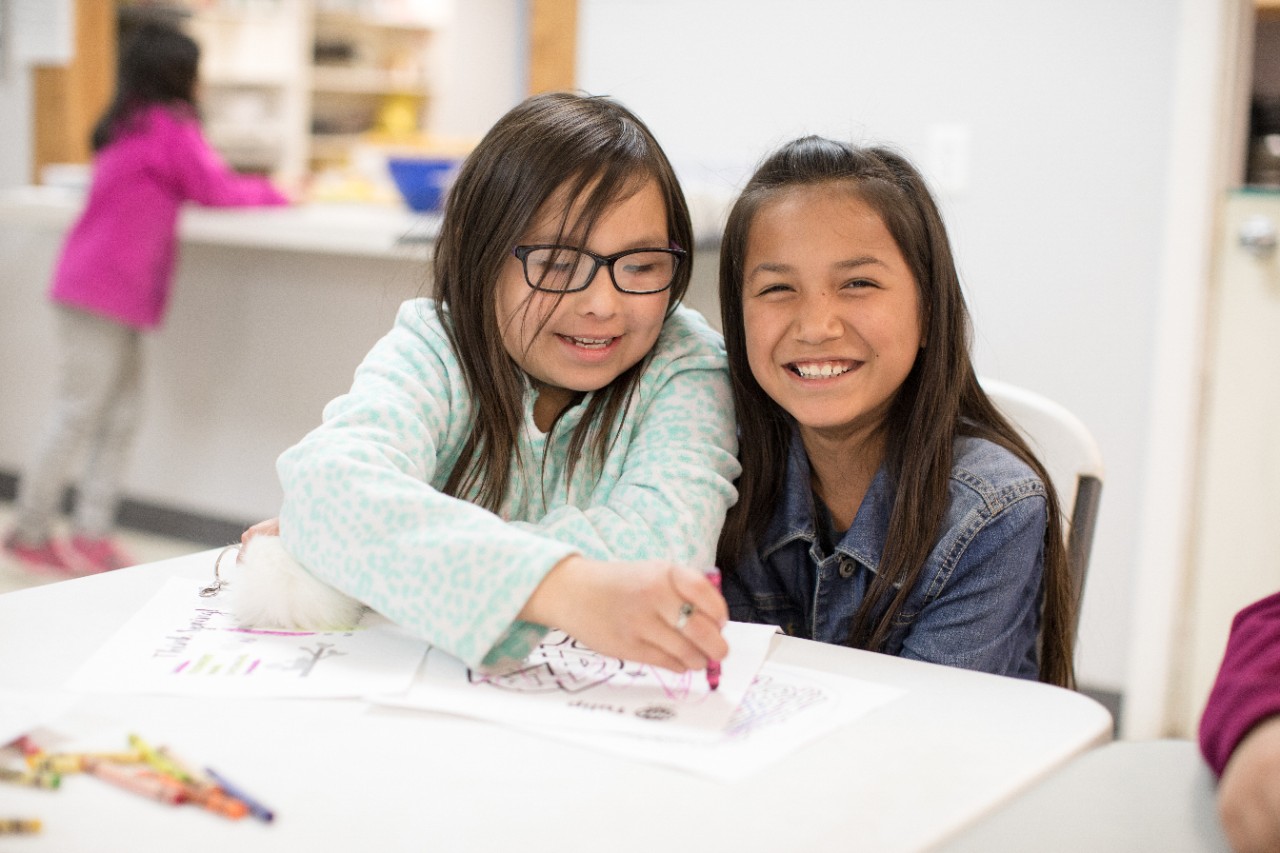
111	284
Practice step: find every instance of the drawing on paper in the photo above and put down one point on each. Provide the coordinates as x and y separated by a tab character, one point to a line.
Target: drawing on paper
771	702
213	643
562	664
178	644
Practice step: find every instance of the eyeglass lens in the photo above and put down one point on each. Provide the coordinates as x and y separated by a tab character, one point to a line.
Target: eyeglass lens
564	268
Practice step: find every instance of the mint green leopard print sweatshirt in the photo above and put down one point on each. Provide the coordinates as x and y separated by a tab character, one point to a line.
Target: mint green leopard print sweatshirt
363	512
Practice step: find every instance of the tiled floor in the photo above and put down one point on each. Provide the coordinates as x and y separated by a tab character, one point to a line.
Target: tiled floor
144	547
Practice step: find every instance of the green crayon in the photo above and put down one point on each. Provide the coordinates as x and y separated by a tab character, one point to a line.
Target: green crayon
32	778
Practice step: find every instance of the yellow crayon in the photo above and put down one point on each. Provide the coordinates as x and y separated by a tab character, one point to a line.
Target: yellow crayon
30	777
148	753
19	826
168	762
77	762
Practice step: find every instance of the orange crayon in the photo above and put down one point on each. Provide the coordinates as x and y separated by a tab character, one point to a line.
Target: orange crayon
217	801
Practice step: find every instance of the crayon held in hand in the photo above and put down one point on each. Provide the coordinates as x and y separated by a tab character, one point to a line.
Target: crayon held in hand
713	667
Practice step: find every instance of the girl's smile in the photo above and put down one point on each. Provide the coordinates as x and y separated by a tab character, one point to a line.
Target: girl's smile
810	371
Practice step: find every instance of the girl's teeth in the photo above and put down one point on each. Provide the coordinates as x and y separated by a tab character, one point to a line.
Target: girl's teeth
592	342
821	371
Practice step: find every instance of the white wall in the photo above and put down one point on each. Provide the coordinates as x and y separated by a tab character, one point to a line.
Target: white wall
481	65
15	106
1067	106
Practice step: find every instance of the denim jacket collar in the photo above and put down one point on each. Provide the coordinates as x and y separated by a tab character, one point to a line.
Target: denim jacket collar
797	513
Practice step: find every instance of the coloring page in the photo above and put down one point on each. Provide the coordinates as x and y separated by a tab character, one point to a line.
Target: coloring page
785	708
563	683
180	643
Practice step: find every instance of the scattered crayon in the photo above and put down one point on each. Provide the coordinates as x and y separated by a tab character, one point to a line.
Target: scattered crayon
217	801
75	762
148	752
31	778
27	746
19	826
140	780
256	808
180	769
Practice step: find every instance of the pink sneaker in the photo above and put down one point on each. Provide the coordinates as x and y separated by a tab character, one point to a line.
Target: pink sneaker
96	555
42	557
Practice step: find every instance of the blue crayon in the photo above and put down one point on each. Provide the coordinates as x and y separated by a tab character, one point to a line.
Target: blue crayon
256	808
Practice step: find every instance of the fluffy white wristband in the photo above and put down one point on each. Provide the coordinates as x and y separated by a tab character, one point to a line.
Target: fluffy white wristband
273	590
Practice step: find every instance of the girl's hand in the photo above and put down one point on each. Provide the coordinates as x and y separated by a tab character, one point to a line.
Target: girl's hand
270	527
632	610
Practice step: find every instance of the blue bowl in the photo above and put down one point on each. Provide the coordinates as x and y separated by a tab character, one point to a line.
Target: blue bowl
422	181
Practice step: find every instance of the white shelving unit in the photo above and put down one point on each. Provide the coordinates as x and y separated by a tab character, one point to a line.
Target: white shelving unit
292	86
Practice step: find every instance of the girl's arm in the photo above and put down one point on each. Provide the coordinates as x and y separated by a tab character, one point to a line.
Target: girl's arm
986	616
199	173
360	511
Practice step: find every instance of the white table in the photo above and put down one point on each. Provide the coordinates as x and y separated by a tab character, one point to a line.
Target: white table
1123	797
342	775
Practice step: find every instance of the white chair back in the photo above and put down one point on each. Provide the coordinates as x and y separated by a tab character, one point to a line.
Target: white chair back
1069	452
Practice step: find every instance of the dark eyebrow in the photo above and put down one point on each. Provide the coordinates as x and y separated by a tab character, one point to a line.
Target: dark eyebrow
865	260
850	263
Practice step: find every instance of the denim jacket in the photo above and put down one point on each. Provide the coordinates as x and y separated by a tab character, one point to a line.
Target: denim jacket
977	601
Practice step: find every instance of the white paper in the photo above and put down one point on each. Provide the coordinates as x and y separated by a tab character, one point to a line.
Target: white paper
180	643
786	708
563	683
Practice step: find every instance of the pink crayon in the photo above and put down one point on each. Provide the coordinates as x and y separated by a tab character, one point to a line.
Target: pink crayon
713	667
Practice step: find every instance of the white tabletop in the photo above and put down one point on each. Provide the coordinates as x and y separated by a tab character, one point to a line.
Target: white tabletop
1122	797
342	775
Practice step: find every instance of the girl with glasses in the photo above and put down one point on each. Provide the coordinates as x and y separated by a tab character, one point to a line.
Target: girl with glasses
885	503
547	443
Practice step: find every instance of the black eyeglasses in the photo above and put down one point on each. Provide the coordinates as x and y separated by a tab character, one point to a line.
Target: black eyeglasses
567	269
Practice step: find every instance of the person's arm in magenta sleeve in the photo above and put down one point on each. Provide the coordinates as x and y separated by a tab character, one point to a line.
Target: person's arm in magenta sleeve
1247	689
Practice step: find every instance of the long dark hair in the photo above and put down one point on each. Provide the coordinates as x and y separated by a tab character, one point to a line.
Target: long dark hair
158	65
572	148
939	399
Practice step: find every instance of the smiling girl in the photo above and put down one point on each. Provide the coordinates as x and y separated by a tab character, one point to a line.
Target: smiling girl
885	503
547	443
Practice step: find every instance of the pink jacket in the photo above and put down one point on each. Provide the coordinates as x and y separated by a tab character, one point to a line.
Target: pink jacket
118	260
1248	687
